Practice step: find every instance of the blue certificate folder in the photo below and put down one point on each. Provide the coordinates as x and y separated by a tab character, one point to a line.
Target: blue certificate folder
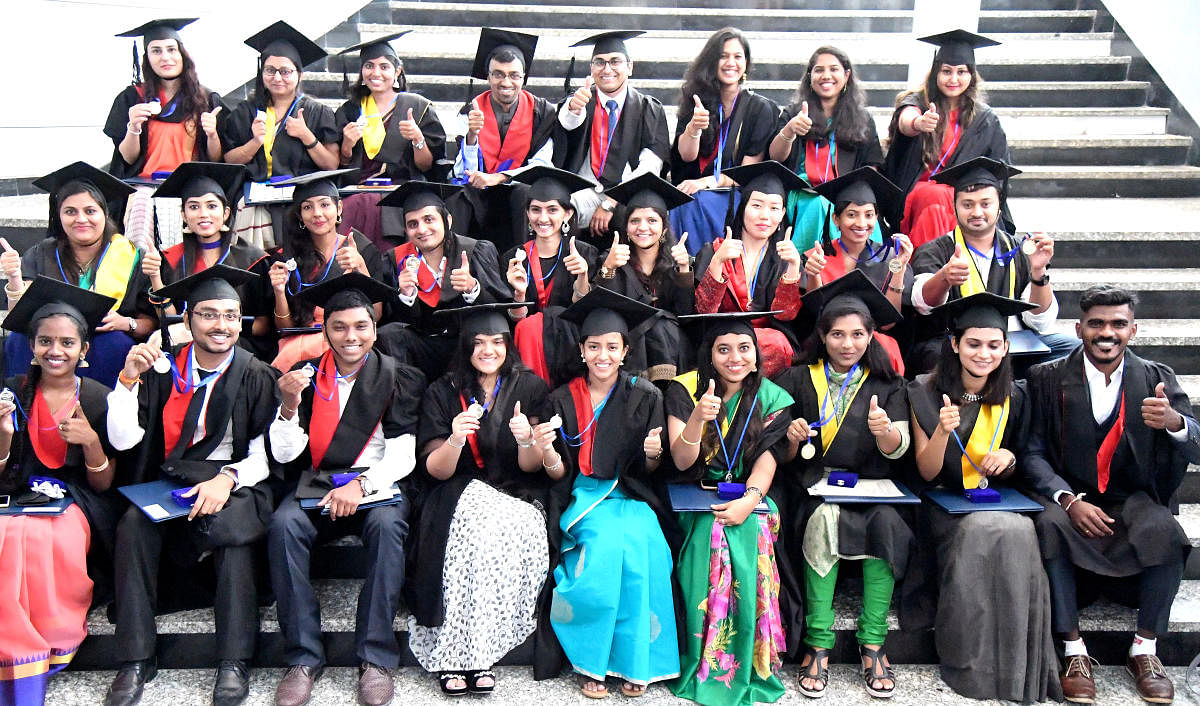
154	499
50	509
311	503
690	497
909	498
953	502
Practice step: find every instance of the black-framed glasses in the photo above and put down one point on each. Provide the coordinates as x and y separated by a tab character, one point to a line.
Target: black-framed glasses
272	72
514	76
615	63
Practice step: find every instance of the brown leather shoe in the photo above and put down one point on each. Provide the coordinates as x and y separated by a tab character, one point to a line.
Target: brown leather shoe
296	687
1078	683
375	686
1151	679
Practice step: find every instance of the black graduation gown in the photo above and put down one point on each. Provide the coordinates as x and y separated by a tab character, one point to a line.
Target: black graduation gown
1146	470
436	500
642	125
288	156
303	312
118	120
102	509
257	298
40	260
751	129
395	157
850	155
662	350
485	267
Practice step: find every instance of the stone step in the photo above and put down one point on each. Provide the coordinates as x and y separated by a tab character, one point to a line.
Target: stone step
1065	181
689	5
1119	248
1095	151
1165	293
1169	341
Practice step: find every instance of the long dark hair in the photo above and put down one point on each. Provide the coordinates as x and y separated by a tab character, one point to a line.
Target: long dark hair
307	257
705	371
947	375
851	122
874	358
663	263
70	266
261	95
464	375
191	99
191	242
739	215
700	79
359	90
931	143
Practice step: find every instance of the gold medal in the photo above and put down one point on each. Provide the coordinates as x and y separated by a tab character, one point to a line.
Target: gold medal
895	265
808	451
1029	246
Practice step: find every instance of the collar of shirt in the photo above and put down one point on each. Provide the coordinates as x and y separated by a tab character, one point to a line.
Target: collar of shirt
619	97
1104	395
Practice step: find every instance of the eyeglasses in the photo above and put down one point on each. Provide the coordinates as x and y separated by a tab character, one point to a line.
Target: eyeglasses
272	72
514	76
616	62
211	316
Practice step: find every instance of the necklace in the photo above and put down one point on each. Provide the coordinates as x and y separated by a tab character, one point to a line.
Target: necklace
969	397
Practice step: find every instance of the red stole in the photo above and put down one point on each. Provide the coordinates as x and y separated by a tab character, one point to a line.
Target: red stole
735	279
835	267
707	159
528	339
48	444
471	437
516	143
425	280
600	144
819	169
584	418
176	407
326	410
950	140
1109	447
535	268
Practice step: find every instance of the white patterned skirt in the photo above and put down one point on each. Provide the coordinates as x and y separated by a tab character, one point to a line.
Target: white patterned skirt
496	560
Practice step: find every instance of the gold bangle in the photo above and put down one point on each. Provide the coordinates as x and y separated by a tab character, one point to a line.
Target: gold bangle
98	469
281	316
787	139
689	443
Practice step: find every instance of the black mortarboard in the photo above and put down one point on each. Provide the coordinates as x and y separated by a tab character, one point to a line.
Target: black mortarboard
865	185
322	183
609	42
281	39
648	190
48	297
486	319
368	291
983	310
769	177
857	287
375	48
957	47
703	327
192	179
112	188
981	170
550	184
493	40
602	311
414	195
159	29
216	282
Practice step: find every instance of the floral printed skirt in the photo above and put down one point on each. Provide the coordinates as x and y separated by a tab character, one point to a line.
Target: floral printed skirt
732	627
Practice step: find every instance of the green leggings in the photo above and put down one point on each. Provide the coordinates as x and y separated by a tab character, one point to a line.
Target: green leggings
878	583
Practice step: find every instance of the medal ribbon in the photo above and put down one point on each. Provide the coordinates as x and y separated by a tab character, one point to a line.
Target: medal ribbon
977	446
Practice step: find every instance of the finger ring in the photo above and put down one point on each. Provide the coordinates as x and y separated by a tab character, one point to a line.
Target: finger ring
62	427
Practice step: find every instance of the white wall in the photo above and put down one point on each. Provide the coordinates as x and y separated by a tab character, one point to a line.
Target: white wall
1165	33
62	55
935	17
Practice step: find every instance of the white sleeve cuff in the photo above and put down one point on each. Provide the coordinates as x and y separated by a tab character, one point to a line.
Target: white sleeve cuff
570	120
123	430
918	294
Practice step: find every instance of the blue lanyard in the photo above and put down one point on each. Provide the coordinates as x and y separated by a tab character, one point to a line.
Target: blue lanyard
218	262
283	121
437	279
380	111
1002	258
338	376
954	143
723	132
58	259
577	439
991	446
302	284
21	409
178	378
829	160
833	412
496	392
557	259
737	450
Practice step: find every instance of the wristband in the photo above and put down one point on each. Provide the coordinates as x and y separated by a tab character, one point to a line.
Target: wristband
787	139
128	381
314	143
129	127
1074	500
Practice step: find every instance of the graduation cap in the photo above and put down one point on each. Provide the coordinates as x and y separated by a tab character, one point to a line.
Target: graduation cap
486	319
216	282
957	47
609	42
983	310
112	188
322	183
769	177
49	297
281	39
152	31
415	195
648	190
192	179
857	290
702	327
359	290
865	185
974	172
371	49
492	41
550	184
602	311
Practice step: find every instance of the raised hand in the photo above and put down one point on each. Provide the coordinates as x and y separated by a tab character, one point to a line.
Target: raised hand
580	98
278	275
409	129
948	416
815	261
788	253
151	267
574	262
139	359
463	425
1158	413
519	425
700	119
208	122
652	444
516	276
291	386
618	253
348	258
956	270
474	123
679	253
709	404
76	429
352	132
1041	257
800	124
799	430
258	128
139	113
928	121
295	127
877	418
10	265
460	277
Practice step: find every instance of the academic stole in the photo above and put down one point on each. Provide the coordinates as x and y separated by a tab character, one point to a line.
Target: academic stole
373	133
514	148
174	412
829	429
600	141
989	427
1108	448
471	440
428	289
690	382
48	444
975	283
115	270
326	409
585	418
543	288
269	136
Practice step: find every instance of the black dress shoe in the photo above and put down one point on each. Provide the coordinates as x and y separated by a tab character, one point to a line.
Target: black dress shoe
126	688
233	683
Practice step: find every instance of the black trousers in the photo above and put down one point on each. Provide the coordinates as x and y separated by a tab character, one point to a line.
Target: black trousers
290	540
1152	592
140	544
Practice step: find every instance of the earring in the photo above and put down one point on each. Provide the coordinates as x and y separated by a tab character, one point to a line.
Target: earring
224	227
82	362
580	357
302	226
184	228
33	362
566	227
529	228
339	219
621	362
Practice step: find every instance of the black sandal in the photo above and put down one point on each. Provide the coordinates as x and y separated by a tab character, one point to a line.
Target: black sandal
444	679
875	670
473	681
814	670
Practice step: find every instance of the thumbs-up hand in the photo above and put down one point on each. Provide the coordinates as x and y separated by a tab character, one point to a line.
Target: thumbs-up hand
618	253
151	267
877	418
297	128
460	277
700	119
516	275
652	445
258	128
349	258
580	98
948	415
574	262
520	427
76	429
800	123
928	121
709	404
208	121
475	121
730	249
956	270
679	253
788	253
406	276
10	265
1158	413
409	130
814	262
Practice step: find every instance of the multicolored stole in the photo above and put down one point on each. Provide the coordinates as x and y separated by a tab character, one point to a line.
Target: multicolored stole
989	428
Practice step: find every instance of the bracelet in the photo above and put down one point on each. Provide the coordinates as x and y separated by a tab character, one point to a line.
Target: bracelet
7	456
783	279
157	300
897	290
418	146
129	127
98	469
229	474
529	442
450	442
755	489
787	139
314	143
689	443
282	316
697	135
1074	500
578	293
283	408
655	457
555	467
128	381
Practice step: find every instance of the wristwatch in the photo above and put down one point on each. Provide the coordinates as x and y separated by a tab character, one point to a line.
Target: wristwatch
607	272
1041	282
365	484
419	145
132	324
608	206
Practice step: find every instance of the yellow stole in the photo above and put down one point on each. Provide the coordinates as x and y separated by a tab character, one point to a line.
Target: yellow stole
116	270
975	283
989	428
373	133
829	430
269	137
